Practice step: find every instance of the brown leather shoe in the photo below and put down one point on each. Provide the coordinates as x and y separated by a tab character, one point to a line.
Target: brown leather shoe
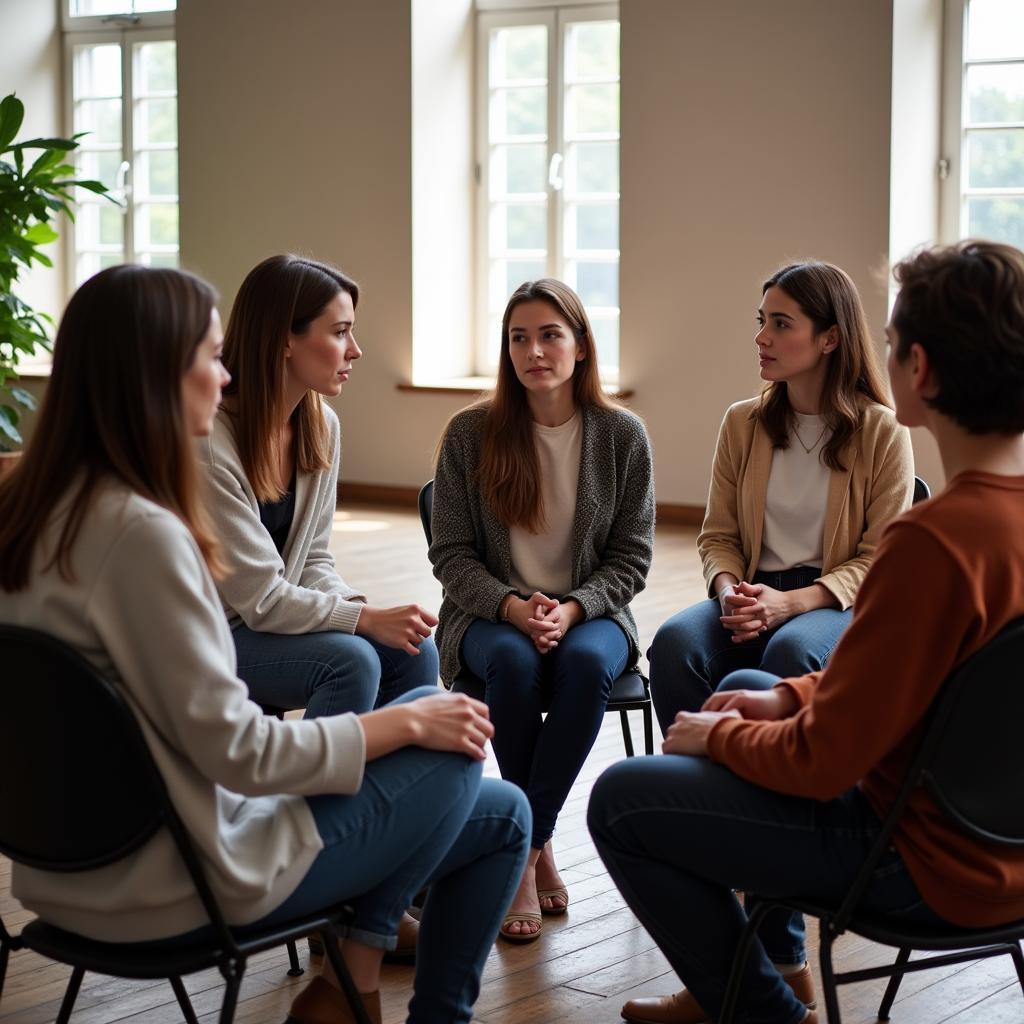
321	1003
682	1008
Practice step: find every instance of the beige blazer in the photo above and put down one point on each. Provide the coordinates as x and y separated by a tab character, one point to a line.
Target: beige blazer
876	486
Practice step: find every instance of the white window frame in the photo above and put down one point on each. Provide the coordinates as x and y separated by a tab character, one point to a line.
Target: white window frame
954	190
124	30
555	15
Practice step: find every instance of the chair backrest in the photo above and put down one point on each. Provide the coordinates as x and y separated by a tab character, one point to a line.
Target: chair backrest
921	490
973	758
425	503
79	788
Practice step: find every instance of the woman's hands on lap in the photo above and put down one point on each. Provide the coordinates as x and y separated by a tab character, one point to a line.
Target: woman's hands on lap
403	627
543	619
749	609
444	721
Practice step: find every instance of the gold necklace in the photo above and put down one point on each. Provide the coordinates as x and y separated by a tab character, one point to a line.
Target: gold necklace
817	440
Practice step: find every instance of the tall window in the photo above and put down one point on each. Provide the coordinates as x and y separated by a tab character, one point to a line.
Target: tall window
548	165
984	121
122	75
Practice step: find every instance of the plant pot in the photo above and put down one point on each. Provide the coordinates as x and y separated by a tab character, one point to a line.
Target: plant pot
8	460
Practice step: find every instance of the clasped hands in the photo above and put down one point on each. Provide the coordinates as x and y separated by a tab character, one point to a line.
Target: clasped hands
749	609
545	620
688	734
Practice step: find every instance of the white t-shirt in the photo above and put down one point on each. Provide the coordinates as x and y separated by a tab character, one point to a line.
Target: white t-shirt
794	513
543	561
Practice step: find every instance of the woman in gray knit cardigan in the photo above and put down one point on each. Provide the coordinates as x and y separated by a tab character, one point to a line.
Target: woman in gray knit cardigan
543	520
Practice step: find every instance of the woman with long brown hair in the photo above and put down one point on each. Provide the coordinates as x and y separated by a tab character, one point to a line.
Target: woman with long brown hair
104	545
805	479
543	520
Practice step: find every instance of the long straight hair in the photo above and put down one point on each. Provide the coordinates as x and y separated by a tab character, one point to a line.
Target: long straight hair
282	295
113	409
509	471
828	298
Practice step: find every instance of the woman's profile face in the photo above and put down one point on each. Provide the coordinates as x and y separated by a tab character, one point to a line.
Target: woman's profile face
542	346
203	380
320	359
788	345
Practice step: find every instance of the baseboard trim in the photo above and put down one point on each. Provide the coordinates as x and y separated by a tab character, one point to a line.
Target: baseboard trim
350	491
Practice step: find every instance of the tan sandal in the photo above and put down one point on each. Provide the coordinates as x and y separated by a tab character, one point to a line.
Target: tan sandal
521	937
561	893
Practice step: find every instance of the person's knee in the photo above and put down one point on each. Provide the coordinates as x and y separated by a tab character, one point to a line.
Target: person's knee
790	654
669	645
415	694
747	679
503	800
608	796
588	671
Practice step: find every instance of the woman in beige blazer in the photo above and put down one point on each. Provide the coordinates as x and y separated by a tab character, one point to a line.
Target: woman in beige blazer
804	480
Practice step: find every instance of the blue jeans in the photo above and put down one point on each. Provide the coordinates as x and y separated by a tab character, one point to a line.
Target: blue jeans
543	756
678	834
329	673
421	817
692	652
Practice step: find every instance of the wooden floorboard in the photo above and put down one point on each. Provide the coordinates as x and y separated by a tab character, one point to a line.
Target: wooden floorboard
589	961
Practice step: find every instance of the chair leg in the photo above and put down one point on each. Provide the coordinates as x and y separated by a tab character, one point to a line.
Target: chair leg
828	978
8	944
70	995
294	970
348	986
894	984
739	962
183	1000
227	1008
1018	962
648	730
627	736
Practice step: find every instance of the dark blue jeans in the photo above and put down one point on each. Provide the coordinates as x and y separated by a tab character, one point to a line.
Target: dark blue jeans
329	672
679	834
693	652
543	756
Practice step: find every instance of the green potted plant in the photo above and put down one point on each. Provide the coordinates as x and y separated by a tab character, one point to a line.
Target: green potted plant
36	179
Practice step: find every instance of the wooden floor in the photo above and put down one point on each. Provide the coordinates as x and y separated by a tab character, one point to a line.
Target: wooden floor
587	963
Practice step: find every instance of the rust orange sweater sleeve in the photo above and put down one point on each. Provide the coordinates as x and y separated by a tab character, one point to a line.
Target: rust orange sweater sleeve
916	612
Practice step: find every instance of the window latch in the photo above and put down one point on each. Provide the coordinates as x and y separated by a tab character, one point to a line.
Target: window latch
943	169
554	178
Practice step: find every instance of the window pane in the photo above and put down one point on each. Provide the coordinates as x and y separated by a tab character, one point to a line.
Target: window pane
597	225
81	8
159	259
519	53
995	28
594	167
995	92
996	158
97	71
89	263
606	338
592	50
519	169
155	69
156	121
526	227
156	225
507	275
100	166
98	224
519	112
156	174
1000	219
592	108
101	119
597	284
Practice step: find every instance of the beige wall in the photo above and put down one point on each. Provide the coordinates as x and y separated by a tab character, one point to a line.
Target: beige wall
752	133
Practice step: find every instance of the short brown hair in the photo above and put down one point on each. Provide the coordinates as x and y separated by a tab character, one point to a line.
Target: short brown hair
964	305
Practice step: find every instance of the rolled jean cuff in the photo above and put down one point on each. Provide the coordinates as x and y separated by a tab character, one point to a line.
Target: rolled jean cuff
368	938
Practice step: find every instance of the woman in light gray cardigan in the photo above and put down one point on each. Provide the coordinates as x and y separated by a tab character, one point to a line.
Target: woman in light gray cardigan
104	545
543	519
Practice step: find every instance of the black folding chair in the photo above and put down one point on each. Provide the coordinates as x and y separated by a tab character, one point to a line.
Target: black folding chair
88	794
630	692
971	762
921	490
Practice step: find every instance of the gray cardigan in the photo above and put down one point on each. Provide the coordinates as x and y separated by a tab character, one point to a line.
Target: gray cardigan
612	535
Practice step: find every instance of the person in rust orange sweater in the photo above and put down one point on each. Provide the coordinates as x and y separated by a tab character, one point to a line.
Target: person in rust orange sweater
778	785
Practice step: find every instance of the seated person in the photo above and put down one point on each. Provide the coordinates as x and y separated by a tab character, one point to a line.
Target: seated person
779	785
105	545
805	478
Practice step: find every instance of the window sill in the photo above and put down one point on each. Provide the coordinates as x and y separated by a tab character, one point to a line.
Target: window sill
476	385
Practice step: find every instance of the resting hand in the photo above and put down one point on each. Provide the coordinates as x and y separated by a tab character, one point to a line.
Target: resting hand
764	705
764	608
402	628
688	734
450	721
548	626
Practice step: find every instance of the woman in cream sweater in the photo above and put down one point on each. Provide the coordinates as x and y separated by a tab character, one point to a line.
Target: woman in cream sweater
543	521
105	545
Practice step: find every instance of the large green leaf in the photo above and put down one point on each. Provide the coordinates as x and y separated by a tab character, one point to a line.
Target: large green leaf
12	113
8	425
41	234
24	398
